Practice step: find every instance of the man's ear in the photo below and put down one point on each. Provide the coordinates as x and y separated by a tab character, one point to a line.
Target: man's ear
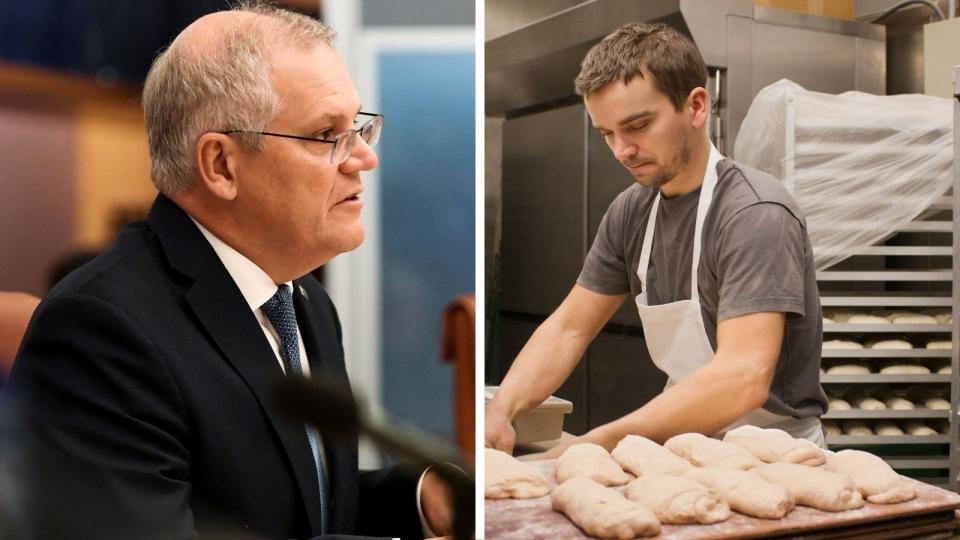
698	106
216	157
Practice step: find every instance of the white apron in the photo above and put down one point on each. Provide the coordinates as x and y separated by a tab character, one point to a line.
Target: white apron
675	334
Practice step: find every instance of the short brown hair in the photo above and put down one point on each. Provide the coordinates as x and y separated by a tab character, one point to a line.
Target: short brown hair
665	54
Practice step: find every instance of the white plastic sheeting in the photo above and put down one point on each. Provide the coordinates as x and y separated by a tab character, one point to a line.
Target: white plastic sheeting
860	166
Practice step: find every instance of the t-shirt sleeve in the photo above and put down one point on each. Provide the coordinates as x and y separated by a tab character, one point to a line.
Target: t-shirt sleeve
605	268
760	262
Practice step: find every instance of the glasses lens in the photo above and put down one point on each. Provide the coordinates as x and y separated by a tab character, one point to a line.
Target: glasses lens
371	130
343	147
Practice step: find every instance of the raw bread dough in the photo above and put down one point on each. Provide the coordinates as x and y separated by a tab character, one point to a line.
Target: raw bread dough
905	369
828	320
890	344
944	318
838	404
873	476
678	500
848	369
863	318
918	427
837	316
507	477
841	344
775	445
911	318
856	427
591	461
703	451
745	492
832	429
888	428
813	487
641	456
858	399
939	344
892	400
945	370
927	399
603	512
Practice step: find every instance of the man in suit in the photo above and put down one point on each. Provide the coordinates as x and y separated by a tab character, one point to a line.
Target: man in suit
145	381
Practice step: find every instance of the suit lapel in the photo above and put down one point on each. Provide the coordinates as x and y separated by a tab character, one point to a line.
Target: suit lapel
221	309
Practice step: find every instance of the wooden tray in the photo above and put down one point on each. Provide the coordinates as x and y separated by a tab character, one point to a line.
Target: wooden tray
533	519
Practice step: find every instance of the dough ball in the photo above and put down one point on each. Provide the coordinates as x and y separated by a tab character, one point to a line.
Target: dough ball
828	320
643	457
945	369
704	451
859	399
775	446
874	478
839	317
856	427
926	398
591	461
887	427
745	492
944	317
838	404
907	317
814	487
890	344
603	512
848	369
918	427
678	500
842	344
891	399
940	344
507	477
863	318
905	369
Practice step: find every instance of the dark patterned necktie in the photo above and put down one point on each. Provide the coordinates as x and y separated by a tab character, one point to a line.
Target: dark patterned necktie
279	310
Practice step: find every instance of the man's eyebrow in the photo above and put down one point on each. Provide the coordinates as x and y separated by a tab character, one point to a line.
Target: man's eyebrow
635	116
631	118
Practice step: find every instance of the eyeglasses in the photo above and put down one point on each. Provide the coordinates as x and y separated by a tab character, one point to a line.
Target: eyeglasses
369	131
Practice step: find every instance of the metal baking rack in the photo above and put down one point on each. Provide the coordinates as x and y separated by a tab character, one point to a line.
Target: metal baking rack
912	270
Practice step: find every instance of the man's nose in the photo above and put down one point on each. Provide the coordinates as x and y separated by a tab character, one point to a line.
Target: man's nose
362	157
623	149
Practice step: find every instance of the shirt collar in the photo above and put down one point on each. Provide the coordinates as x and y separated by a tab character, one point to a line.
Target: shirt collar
255	285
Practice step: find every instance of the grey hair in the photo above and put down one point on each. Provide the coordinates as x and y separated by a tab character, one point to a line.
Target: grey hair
226	87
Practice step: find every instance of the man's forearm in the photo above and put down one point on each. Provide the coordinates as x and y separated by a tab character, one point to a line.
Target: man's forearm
541	367
711	398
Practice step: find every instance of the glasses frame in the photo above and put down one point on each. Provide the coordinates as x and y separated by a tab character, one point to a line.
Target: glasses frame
347	137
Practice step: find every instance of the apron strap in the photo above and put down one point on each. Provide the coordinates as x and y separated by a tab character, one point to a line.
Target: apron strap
703	206
646	248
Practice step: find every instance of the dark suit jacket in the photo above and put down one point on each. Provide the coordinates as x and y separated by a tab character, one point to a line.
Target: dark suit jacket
144	383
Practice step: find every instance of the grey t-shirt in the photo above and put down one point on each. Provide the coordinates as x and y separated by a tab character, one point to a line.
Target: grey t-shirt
756	256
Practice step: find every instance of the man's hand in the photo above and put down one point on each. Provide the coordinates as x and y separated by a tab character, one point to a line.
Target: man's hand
436	501
499	433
